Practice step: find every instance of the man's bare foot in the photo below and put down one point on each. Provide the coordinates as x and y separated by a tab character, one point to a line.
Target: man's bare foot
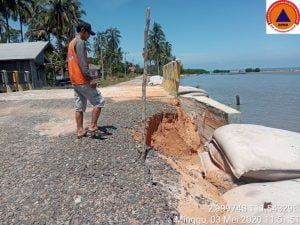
81	134
92	128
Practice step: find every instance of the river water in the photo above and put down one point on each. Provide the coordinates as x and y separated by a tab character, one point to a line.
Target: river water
271	100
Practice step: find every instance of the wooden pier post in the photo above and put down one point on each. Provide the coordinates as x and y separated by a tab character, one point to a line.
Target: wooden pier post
238	102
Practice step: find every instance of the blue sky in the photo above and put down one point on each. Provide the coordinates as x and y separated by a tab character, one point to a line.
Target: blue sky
204	34
214	34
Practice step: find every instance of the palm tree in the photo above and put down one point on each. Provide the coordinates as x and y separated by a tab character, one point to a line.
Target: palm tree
65	16
56	17
24	10
100	48
2	29
113	36
113	52
7	9
14	35
167	53
157	40
39	28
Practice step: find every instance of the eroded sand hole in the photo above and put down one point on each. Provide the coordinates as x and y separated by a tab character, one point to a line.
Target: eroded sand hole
173	134
176	137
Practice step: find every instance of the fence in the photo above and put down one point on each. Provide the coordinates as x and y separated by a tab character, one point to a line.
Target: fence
11	81
171	77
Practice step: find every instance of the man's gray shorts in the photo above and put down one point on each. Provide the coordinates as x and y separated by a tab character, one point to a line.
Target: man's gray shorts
84	92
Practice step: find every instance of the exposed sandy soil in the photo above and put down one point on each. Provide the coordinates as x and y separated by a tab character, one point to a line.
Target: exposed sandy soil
175	134
176	137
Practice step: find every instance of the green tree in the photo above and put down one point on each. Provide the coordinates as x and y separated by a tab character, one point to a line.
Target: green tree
56	63
39	27
221	71
2	29
7	10
14	35
113	51
65	15
193	71
156	44
23	12
55	17
159	50
167	53
100	49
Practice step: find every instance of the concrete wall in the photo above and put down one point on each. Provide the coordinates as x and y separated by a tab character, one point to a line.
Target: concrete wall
209	114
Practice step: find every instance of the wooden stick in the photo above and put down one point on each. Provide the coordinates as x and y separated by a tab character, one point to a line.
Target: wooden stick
144	97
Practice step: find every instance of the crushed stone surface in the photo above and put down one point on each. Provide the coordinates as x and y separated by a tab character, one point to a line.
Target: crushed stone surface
48	179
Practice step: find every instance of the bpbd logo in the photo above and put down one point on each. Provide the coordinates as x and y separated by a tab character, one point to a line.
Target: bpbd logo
283	16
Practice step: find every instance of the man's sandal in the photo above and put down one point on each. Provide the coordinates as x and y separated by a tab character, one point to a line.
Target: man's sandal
93	133
82	135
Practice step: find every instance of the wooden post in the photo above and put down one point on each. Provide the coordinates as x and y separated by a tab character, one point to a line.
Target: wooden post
3	83
146	38
102	70
238	100
16	79
27	80
5	78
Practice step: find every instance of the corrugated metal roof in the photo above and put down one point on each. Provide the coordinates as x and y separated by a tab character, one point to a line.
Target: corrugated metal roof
18	51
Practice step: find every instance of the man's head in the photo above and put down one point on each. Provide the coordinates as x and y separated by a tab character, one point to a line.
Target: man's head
84	30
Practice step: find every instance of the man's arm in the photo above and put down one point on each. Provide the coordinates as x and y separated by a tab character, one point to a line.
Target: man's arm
81	51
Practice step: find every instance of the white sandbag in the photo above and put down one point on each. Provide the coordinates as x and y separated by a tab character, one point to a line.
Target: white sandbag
155	80
264	203
259	152
188	90
195	94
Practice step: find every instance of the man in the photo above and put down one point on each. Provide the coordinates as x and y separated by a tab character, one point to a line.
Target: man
83	83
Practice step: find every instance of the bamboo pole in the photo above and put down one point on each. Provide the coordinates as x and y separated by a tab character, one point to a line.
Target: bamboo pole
144	97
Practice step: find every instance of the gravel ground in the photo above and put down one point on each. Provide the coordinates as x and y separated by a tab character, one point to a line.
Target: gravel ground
61	180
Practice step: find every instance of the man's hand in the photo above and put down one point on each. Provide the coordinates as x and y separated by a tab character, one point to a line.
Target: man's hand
93	84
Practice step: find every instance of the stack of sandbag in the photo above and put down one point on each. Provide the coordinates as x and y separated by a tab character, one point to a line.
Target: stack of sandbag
264	203
155	80
187	91
256	152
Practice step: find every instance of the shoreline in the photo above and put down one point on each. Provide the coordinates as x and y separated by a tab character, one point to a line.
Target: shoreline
252	73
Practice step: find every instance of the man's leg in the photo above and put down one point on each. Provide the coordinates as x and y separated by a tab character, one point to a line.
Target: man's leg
79	122
96	99
80	106
95	116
